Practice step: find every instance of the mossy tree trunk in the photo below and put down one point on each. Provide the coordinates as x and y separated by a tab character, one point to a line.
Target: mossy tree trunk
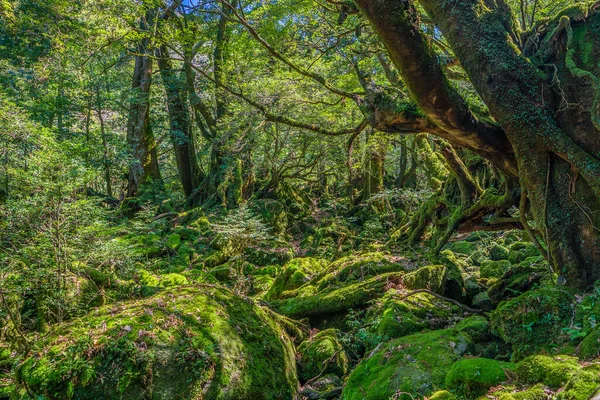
554	145
181	128
140	138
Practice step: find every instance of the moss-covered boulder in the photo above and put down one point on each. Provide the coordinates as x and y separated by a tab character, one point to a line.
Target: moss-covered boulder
494	269
472	377
537	392
442	395
200	342
583	385
551	371
498	252
415	364
391	317
590	345
322	354
293	275
534	321
432	277
515	281
463	247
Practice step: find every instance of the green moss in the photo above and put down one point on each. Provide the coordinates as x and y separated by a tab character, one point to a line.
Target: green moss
590	345
472	377
332	301
537	392
185	343
145	278
173	280
442	395
516	281
582	385
431	277
552	371
394	318
415	364
494	269
463	247
322	354
294	274
533	321
498	252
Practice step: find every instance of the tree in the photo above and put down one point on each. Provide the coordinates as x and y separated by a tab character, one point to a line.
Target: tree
537	85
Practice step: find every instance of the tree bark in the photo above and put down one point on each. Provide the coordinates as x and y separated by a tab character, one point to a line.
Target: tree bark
140	138
181	128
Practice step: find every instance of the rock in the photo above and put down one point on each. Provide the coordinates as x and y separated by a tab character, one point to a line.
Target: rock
551	371
201	342
322	354
583	384
498	252
494	269
442	395
463	247
472	377
415	364
294	274
482	302
324	388
533	321
590	345
391	317
515	281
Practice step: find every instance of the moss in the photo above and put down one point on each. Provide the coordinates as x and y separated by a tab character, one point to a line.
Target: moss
516	281
294	274
215	259
431	277
498	252
442	395
463	247
473	377
537	392
582	385
394	318
533	321
482	301
145	278
322	354
200	342
494	269
590	345
173	280
332	301
455	284
415	364
552	371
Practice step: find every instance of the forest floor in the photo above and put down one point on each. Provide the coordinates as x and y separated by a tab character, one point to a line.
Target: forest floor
268	302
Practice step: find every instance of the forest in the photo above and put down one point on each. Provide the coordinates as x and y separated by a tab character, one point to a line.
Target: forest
300	199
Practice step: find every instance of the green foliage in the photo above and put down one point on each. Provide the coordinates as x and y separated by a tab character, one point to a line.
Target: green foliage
472	377
552	371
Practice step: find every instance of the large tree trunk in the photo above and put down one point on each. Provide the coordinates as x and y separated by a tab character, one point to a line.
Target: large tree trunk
181	127
555	145
142	145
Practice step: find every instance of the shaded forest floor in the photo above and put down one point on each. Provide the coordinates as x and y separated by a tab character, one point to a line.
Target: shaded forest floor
280	301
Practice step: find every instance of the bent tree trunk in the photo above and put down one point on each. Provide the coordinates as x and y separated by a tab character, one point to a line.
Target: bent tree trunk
546	102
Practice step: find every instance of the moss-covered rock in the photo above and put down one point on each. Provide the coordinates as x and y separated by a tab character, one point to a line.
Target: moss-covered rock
494	269
498	252
353	295
463	247
537	392
391	317
551	371
442	395
432	277
472	377
293	275
534	321
590	345
200	342
322	354
515	281
582	385
173	280
415	364
482	302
